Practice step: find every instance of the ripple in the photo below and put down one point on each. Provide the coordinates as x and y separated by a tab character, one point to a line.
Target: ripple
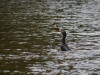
28	45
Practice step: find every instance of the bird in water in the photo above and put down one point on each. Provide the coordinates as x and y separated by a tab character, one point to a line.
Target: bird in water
64	46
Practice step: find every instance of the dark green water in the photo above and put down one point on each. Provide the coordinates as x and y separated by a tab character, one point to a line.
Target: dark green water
29	45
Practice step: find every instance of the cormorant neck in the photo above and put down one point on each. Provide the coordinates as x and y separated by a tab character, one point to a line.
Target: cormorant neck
63	40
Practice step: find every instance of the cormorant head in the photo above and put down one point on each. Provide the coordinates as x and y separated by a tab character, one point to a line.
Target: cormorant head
63	33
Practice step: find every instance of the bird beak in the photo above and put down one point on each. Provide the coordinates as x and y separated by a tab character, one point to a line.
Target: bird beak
58	29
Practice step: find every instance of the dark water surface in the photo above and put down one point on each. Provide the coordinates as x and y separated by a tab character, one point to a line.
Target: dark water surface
29	45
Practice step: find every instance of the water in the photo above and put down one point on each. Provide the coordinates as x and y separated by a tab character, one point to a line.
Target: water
29	45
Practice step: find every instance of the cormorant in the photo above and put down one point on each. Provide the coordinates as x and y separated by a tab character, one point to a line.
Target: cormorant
64	46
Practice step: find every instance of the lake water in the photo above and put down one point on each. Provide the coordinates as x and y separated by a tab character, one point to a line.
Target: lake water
29	45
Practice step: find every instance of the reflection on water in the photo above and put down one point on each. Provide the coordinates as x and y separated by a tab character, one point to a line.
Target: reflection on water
29	45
